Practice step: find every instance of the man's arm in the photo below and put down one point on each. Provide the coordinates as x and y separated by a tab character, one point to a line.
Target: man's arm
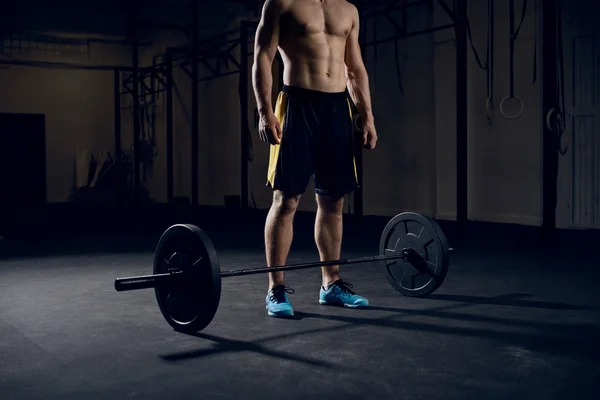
265	49
357	77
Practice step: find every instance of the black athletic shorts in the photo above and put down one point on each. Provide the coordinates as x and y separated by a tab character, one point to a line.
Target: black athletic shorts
318	141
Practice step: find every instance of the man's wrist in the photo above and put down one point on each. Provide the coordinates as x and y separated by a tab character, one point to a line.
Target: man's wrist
264	110
368	118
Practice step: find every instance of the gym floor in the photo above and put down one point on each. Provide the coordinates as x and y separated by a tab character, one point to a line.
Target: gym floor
512	321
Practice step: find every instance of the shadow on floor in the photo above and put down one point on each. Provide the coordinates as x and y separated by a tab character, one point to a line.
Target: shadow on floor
224	345
573	339
513	300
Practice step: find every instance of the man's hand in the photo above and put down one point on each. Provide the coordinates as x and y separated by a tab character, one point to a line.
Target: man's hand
265	47
369	135
358	84
269	128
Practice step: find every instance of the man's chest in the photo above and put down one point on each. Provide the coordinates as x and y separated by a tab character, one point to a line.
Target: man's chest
313	17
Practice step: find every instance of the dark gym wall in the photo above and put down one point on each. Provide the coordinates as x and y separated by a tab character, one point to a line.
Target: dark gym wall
78	106
505	164
414	167
578	204
400	173
22	169
77	102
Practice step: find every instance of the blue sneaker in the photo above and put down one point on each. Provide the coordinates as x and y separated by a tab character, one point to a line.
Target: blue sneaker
277	303
339	293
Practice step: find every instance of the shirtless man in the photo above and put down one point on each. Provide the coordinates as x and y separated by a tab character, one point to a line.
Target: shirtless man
310	130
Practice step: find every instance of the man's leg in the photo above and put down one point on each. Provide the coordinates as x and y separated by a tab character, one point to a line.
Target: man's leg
328	234
328	237
335	176
279	233
278	240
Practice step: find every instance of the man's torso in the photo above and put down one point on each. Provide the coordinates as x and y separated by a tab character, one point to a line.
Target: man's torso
312	43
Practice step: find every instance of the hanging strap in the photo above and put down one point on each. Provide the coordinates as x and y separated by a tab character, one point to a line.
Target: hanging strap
489	102
535	32
513	34
489	62
398	69
513	38
555	118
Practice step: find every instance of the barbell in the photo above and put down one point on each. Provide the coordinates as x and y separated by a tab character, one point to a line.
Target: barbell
187	275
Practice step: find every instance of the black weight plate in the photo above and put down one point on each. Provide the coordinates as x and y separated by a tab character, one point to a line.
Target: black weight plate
190	303
424	235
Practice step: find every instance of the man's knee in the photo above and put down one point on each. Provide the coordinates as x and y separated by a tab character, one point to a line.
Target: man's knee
331	205
285	203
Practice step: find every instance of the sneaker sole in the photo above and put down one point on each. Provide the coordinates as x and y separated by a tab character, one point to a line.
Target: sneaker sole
325	303
272	314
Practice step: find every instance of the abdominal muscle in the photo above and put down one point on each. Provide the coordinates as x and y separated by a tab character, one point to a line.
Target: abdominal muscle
315	62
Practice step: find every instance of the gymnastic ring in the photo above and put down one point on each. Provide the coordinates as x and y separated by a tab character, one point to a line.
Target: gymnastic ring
518	114
554	119
555	124
489	110
563	144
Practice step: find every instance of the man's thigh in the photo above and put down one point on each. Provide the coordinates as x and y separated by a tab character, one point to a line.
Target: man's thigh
335	172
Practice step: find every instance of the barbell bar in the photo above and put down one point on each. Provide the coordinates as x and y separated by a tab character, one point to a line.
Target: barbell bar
154	280
187	276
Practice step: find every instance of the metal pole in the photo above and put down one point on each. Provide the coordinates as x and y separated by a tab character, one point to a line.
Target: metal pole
195	101
169	122
549	100
117	110
136	110
461	115
170	278
117	128
358	195
291	267
243	93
